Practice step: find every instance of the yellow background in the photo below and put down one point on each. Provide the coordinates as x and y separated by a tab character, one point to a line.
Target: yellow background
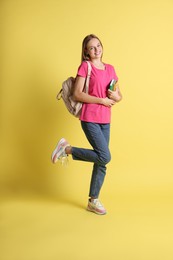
43	212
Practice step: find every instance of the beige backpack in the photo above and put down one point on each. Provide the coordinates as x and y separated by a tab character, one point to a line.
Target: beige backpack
66	93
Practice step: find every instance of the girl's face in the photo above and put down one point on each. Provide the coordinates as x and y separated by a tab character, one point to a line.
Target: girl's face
94	49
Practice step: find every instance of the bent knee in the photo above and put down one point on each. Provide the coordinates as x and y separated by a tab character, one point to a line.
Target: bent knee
105	159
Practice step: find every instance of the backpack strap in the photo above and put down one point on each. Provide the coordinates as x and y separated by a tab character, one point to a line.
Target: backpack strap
59	95
88	77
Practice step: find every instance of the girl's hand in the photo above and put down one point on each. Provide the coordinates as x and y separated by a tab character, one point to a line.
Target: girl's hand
115	95
108	102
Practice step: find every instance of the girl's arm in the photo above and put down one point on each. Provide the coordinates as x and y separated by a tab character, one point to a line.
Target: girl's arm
79	95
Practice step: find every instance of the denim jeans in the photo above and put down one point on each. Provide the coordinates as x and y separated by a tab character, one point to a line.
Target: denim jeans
98	136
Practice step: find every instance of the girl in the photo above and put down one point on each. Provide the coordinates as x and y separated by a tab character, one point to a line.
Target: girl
95	117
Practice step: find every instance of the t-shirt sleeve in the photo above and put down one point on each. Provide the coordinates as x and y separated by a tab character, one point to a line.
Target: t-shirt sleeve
82	70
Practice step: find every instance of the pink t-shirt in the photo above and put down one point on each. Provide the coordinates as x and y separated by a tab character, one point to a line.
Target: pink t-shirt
98	86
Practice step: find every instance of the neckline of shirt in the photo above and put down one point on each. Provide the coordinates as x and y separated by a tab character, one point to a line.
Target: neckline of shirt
98	68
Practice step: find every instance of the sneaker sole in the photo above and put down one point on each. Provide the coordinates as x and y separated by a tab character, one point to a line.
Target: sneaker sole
95	211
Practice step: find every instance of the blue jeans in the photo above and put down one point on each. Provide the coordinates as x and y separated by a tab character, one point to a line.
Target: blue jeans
98	136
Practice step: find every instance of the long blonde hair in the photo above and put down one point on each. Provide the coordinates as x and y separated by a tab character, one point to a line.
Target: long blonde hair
84	55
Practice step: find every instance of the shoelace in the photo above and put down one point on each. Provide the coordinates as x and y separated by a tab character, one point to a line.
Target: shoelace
98	204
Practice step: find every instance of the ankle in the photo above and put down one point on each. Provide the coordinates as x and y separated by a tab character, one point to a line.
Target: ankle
68	150
92	198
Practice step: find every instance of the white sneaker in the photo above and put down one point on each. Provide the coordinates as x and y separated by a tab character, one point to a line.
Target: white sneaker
59	151
95	206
